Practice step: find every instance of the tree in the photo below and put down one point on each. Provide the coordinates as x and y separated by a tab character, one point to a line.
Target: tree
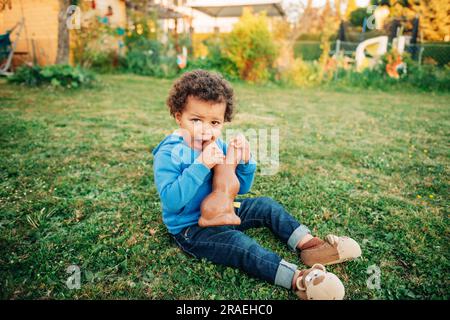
433	14
434	18
307	20
328	27
327	11
337	7
62	56
357	17
351	6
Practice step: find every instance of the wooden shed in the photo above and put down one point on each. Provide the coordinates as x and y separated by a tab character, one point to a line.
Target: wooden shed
38	40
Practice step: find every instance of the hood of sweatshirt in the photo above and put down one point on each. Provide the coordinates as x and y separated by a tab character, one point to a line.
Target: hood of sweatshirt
171	139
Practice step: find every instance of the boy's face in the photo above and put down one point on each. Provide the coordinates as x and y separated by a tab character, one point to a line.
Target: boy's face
201	121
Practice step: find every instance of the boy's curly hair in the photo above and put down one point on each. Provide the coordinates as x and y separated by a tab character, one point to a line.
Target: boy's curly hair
204	85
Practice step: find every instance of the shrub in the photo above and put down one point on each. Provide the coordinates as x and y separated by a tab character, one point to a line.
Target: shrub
439	52
215	60
56	75
307	50
251	48
101	61
357	16
96	46
428	77
150	58
301	73
143	57
425	77
247	53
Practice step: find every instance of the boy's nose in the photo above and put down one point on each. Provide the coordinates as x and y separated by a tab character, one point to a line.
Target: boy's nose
207	136
207	130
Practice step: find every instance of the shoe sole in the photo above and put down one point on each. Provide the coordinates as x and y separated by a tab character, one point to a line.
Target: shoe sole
339	261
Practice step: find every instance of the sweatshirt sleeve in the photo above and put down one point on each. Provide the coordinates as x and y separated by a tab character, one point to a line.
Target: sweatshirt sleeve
175	187
246	174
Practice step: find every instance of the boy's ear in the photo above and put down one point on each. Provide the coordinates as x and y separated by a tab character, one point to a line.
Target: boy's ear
178	117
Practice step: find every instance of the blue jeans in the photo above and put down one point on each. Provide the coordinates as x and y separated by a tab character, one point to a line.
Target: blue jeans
229	246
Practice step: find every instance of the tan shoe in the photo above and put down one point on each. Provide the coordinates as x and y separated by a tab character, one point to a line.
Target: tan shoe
331	251
318	284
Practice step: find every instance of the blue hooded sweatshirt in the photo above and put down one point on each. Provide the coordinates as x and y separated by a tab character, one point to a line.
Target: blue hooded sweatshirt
183	182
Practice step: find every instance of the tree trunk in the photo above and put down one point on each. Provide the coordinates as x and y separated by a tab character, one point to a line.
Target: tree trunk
62	56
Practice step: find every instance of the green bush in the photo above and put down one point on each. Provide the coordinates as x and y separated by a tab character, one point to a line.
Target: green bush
56	76
95	46
439	52
424	77
251	48
307	50
102	61
216	60
145	57
301	74
357	16
429	77
247	53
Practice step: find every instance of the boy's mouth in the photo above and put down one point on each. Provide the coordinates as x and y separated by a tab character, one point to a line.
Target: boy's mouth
204	138
200	142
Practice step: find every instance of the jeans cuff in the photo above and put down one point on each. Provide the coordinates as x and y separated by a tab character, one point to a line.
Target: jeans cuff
285	274
296	236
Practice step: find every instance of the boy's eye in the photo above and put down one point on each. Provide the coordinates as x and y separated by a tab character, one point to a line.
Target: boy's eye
215	123
195	120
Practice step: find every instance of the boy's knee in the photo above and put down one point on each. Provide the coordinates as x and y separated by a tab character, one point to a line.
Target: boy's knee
269	202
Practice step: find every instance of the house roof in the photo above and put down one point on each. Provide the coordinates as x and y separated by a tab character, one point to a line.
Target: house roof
162	11
234	8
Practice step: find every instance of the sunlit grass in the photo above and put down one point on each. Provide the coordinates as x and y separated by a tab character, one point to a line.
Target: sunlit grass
76	187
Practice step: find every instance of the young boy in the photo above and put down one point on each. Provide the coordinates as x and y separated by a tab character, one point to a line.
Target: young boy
201	102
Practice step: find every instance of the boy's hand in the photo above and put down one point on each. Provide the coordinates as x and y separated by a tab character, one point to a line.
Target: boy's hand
211	155
241	143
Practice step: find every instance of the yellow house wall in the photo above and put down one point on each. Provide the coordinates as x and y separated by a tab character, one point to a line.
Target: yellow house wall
39	37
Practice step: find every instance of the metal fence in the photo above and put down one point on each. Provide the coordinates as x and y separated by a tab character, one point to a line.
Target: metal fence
430	53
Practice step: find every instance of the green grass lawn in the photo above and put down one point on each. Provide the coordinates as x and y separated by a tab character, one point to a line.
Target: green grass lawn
76	188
